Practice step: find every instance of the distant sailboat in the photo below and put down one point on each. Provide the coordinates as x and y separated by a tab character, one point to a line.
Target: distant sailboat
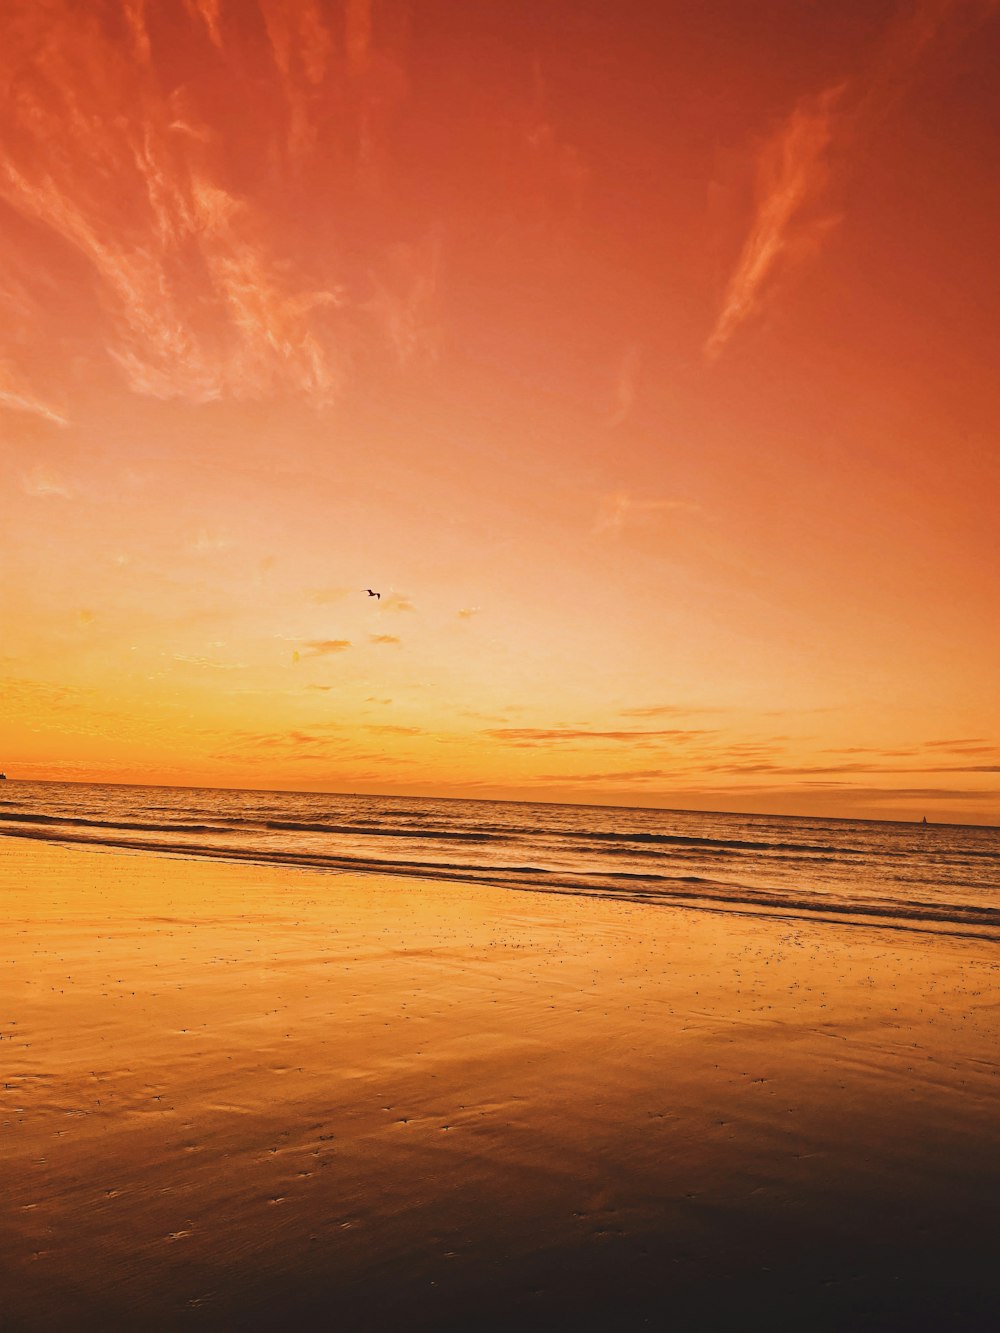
3	777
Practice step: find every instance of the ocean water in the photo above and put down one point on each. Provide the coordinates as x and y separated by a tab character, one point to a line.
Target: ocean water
933	877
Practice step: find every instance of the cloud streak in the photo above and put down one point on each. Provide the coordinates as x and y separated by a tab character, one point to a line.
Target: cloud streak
796	163
43	484
667	710
627	775
322	648
793	170
621	508
114	161
626	383
532	736
18	398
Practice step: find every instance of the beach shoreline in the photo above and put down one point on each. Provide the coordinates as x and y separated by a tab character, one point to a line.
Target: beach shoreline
244	1096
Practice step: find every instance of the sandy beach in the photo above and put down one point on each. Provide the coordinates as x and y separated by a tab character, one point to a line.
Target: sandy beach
243	1097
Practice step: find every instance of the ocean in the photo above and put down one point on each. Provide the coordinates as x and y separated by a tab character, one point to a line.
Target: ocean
910	876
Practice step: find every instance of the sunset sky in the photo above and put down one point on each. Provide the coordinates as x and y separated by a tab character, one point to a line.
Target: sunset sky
643	357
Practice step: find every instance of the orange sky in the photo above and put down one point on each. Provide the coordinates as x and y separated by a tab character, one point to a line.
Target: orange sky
643	357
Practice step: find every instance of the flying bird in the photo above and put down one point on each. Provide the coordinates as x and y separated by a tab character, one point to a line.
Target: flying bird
373	594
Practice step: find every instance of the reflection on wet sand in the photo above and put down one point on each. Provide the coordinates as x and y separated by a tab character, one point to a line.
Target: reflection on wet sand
248	1097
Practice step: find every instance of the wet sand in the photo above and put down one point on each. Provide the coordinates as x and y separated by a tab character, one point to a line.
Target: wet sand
245	1097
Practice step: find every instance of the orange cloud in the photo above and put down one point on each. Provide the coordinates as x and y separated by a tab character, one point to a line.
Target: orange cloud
300	41
626	383
405	301
619	508
135	17
199	304
384	638
290	740
794	164
16	396
358	31
42	484
208	543
792	174
557	735
323	647
612	776
208	12
209	662
665	710
916	28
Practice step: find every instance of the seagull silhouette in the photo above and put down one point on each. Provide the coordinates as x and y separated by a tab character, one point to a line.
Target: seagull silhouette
373	594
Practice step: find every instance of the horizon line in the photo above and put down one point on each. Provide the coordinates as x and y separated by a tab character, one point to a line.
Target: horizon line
503	800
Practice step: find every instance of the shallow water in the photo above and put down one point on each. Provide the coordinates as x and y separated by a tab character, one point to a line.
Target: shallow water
934	877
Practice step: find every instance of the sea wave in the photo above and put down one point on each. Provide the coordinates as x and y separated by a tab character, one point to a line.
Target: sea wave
609	840
80	821
640	887
228	826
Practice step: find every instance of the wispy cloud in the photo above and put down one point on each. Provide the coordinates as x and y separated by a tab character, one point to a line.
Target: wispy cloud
611	776
621	508
301	45
43	484
797	161
467	612
976	744
532	736
667	710
211	543
134	12
825	770
405	301
289	744
209	13
262	340
384	638
396	601
556	171
626	383
18	398
210	662
199	301
322	647
793	170
918	28
74	710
